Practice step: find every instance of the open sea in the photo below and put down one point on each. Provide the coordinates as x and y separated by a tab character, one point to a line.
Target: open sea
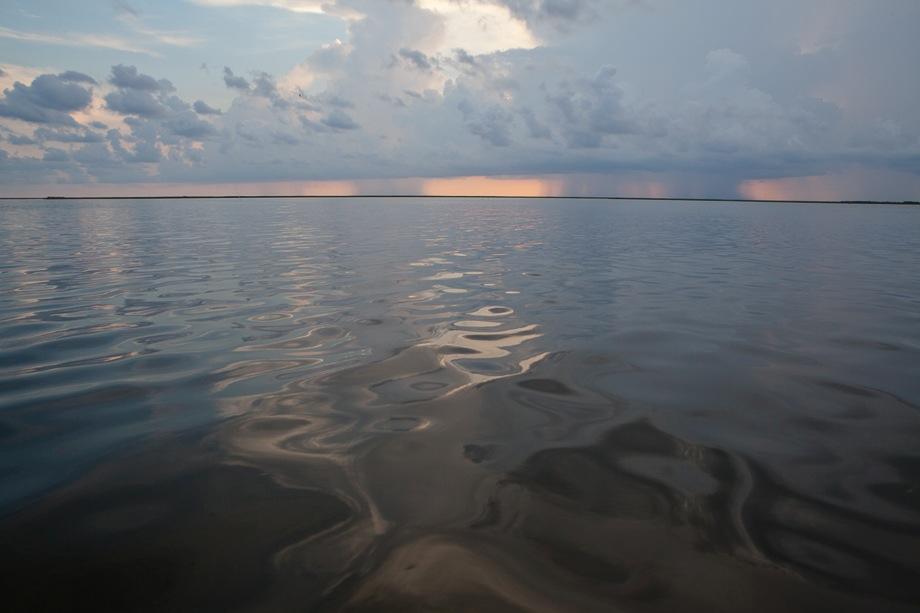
459	405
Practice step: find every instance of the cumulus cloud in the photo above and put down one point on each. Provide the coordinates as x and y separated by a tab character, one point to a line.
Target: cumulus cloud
234	82
554	17
189	125
55	155
48	99
135	102
68	136
492	124
159	128
77	77
563	10
203	108
590	109
415	58
464	57
128	77
339	120
19	139
398	96
141	95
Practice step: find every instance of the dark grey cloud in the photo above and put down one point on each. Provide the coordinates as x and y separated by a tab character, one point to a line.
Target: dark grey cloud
706	101
337	101
249	132
416	58
95	155
68	136
77	77
203	108
590	109
141	95
189	125
234	82
462	56
339	120
55	155
263	86
48	99
145	134
551	10
123	8
285	138
135	102
128	77
534	126
492	124
20	139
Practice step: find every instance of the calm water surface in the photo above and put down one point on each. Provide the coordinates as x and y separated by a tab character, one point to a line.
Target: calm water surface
459	405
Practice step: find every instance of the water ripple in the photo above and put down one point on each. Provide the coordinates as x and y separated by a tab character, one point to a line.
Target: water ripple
384	405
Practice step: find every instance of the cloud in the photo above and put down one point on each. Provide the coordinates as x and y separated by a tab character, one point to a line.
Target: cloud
135	102
65	136
588	110
464	57
123	8
77	40
554	16
55	155
263	86
189	125
48	99
415	58
297	6
339	120
534	126
234	82
17	139
202	108
565	10
128	77
163	37
492	124
140	94
572	93
76	77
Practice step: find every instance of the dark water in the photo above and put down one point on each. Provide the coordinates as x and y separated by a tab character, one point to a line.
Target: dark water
449	405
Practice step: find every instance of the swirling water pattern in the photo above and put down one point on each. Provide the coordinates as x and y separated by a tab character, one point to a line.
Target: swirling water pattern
459	405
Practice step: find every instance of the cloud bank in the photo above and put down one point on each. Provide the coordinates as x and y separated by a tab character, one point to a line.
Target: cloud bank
699	115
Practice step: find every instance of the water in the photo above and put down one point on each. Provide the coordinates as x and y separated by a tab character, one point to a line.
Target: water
459	405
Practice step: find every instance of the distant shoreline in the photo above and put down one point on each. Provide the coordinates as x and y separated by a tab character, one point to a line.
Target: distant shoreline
316	197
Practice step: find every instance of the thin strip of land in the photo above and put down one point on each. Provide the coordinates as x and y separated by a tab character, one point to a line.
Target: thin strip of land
479	197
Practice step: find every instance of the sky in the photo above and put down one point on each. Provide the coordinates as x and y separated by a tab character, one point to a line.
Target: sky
787	99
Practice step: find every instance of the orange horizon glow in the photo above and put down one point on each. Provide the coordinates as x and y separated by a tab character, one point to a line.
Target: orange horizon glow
855	184
792	188
491	186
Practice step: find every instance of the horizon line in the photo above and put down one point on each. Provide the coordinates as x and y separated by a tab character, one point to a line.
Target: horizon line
477	196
